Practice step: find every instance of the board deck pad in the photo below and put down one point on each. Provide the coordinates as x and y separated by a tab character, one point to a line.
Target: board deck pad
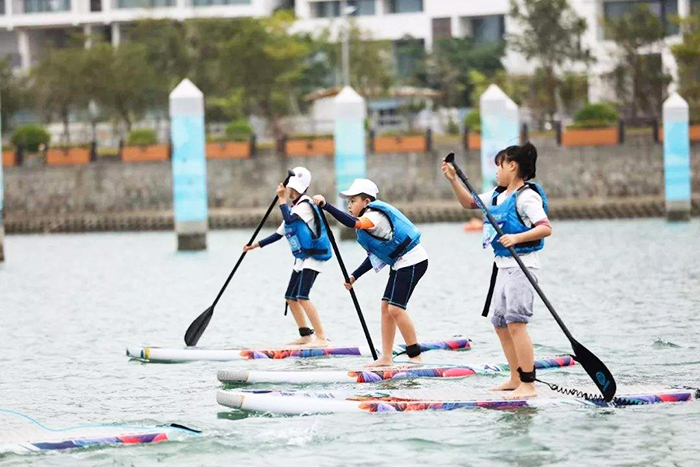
189	354
366	375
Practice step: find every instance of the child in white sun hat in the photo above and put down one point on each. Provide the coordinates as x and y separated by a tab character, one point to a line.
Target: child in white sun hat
311	248
389	238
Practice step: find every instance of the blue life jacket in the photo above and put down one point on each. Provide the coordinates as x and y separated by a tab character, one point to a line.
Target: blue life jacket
507	216
405	235
304	242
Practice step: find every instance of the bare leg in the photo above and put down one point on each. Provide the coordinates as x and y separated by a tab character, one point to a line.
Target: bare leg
405	325
300	318
525	356
388	335
313	316
511	357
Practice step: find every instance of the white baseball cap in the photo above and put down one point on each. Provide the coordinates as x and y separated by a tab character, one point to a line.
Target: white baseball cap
359	186
301	180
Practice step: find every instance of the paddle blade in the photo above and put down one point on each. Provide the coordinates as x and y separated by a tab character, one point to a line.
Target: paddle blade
596	369
196	329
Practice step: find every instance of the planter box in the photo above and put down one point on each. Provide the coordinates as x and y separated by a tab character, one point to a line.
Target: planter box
590	137
154	153
228	150
310	147
9	158
68	156
693	131
386	144
474	141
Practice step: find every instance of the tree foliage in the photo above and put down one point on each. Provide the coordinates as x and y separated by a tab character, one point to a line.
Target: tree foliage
638	78
11	94
687	54
550	35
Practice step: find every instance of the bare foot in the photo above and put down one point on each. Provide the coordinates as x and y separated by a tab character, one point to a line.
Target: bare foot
301	341
510	385
318	342
525	391
416	360
382	362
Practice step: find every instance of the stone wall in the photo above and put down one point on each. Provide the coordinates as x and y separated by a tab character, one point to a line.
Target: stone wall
632	169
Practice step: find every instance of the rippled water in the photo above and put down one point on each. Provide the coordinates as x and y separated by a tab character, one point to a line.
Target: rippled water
69	304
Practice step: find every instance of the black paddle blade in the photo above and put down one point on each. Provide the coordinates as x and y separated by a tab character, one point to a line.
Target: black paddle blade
196	329
596	369
450	158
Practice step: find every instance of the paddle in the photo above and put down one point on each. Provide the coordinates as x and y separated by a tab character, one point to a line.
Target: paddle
196	329
331	237
595	368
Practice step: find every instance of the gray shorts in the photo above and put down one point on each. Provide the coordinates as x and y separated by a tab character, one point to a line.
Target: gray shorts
513	297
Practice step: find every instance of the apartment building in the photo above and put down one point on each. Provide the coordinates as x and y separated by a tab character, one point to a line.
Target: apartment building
27	26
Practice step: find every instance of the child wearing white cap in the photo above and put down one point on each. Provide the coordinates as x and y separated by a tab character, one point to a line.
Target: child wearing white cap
389	238
311	248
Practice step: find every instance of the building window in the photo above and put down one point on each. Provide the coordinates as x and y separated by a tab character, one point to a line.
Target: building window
46	6
405	6
442	28
95	5
332	9
694	7
2	7
484	29
407	54
219	2
145	3
667	10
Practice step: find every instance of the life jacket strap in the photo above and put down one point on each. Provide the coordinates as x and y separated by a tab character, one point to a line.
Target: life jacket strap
489	296
400	249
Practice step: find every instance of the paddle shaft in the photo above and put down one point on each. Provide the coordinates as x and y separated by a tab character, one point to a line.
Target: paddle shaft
331	237
514	253
250	242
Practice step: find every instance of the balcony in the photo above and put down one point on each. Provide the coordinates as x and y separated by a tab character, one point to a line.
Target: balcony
129	4
46	6
198	3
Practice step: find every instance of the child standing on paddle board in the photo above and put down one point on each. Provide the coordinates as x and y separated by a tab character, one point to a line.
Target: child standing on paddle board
311	248
389	238
520	207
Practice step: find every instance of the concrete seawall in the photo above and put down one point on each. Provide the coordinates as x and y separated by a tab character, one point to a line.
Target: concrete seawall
616	181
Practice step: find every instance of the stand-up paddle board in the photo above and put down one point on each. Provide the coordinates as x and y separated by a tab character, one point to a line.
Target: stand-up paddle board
190	354
375	375
321	402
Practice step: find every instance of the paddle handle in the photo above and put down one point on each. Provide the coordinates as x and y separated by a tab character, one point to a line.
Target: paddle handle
250	242
450	159
331	237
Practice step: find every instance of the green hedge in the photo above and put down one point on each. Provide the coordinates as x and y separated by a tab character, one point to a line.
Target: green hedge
142	137
31	137
596	116
473	121
238	130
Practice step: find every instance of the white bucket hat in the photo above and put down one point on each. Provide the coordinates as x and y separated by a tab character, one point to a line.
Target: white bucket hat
359	186
301	180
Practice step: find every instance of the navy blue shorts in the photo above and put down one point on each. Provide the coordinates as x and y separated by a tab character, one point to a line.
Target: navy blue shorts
300	284
402	283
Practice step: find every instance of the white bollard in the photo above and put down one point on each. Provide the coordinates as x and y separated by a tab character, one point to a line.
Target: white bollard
2	200
189	166
500	128
349	138
677	158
